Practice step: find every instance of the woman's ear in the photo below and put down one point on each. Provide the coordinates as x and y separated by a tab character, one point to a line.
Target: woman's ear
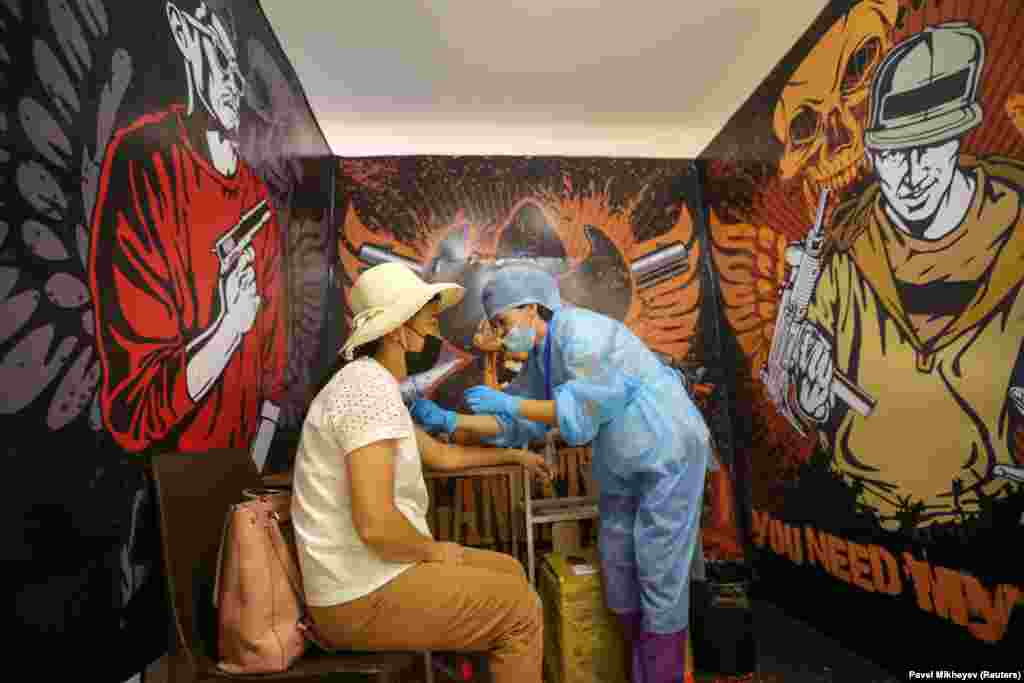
396	336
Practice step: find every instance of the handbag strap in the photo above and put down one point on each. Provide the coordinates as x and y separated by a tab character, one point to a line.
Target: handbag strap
305	624
292	581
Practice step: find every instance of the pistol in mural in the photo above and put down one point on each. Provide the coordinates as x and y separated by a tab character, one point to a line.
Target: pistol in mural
105	176
917	297
174	328
185	265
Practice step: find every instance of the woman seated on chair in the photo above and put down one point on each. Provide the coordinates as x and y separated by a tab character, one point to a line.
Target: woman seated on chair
374	577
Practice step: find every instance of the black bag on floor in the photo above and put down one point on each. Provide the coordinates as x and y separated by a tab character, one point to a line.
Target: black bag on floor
722	621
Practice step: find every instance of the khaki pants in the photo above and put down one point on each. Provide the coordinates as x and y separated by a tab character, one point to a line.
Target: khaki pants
485	604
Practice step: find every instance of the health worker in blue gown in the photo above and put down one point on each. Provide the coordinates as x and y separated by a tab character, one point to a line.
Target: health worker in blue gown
595	381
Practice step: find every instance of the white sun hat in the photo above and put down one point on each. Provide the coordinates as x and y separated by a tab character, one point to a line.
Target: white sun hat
387	296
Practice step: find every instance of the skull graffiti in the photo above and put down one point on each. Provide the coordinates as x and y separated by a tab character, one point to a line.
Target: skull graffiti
819	117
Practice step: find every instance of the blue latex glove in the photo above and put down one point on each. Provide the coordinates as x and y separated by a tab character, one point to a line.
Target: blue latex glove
433	417
486	401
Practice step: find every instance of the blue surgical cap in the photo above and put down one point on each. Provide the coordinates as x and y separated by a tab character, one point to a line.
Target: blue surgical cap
518	285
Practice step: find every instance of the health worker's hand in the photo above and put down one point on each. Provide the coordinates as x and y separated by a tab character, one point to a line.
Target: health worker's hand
433	417
483	400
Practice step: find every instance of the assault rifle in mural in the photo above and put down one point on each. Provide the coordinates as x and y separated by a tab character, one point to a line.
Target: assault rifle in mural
789	324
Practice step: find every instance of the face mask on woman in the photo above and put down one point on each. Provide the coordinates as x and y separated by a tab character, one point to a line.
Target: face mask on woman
421	361
519	339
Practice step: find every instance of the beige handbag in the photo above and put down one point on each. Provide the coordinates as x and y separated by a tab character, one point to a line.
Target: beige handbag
262	626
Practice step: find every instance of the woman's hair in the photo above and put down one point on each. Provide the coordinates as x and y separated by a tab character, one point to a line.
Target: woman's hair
370	348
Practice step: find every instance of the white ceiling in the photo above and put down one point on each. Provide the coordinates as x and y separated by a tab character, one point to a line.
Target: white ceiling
641	78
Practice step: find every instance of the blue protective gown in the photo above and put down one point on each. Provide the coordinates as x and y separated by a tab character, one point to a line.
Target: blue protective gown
651	449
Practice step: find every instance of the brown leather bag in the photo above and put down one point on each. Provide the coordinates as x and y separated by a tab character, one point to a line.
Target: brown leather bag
262	625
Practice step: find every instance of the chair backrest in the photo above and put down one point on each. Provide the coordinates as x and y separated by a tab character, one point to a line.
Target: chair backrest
194	492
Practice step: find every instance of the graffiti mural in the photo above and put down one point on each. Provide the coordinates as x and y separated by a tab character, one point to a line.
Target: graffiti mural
152	152
621	237
870	256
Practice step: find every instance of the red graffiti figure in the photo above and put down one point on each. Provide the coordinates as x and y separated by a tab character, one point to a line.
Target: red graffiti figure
185	267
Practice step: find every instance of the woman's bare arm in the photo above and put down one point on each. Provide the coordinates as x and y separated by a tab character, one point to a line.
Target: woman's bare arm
371	471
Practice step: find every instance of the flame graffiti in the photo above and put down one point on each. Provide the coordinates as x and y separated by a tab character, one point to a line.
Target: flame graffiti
665	315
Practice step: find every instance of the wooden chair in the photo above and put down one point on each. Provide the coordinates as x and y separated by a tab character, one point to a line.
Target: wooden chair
551	510
194	493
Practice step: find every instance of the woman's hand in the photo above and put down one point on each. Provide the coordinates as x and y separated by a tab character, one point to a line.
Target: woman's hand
447	553
536	464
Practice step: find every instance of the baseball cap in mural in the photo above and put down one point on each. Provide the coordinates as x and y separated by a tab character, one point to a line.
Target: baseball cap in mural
926	90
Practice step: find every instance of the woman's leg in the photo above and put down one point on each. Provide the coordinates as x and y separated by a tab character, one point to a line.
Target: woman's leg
667	534
621	580
499	562
617	548
632	630
483	605
664	657
647	542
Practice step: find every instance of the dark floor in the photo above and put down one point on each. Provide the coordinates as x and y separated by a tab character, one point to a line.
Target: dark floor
791	651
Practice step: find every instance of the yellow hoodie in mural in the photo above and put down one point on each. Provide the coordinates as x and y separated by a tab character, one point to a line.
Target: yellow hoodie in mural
932	329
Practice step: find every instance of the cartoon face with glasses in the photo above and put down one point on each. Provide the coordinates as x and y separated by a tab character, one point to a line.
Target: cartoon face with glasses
207	41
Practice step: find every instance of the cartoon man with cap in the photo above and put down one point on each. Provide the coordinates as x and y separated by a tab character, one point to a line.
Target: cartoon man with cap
918	299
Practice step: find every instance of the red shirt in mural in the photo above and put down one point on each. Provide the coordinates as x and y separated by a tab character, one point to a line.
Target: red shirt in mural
154	278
